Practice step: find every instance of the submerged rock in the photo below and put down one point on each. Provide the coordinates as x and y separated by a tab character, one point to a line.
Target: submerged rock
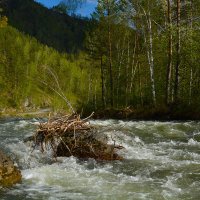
9	174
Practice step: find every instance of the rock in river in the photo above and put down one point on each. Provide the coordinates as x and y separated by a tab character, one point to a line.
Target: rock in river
9	174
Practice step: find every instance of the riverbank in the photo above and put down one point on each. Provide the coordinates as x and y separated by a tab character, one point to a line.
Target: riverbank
150	113
161	113
26	113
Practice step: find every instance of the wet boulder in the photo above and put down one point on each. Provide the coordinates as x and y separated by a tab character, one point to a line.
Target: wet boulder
9	174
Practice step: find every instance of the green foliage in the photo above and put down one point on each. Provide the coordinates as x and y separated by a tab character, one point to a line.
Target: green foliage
121	36
70	6
3	21
50	27
131	23
61	7
23	71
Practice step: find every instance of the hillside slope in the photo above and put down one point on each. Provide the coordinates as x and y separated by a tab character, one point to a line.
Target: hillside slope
60	31
25	73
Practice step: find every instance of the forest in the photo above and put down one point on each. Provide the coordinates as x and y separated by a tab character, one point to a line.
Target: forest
133	58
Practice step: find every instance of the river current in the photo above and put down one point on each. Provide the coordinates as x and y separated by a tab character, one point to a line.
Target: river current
161	162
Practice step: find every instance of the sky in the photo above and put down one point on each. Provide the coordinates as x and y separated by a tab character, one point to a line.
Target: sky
86	9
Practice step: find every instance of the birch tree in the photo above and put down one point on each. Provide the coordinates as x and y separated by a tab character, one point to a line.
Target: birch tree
146	21
170	53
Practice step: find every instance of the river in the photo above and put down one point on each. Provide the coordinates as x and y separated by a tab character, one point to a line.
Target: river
161	161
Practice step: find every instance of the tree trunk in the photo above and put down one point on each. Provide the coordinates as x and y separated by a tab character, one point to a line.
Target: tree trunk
120	59
152	62
127	72
149	43
191	69
170	52
178	52
89	86
133	66
95	95
110	57
102	85
140	86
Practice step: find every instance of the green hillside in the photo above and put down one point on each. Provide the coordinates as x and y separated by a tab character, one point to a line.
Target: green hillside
57	30
25	73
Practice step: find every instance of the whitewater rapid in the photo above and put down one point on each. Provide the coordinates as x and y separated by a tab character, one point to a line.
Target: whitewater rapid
161	161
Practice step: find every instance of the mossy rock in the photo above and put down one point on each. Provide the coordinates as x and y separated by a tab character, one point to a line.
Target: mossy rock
9	174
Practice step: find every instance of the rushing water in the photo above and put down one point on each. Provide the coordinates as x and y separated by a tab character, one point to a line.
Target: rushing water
161	161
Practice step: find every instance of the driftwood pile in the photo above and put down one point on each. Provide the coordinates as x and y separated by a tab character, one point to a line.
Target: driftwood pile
71	136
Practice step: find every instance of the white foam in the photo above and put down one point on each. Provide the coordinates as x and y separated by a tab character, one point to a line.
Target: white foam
157	157
21	124
193	142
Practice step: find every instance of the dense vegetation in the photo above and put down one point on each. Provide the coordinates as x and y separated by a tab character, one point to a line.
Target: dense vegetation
51	27
138	54
25	73
148	53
